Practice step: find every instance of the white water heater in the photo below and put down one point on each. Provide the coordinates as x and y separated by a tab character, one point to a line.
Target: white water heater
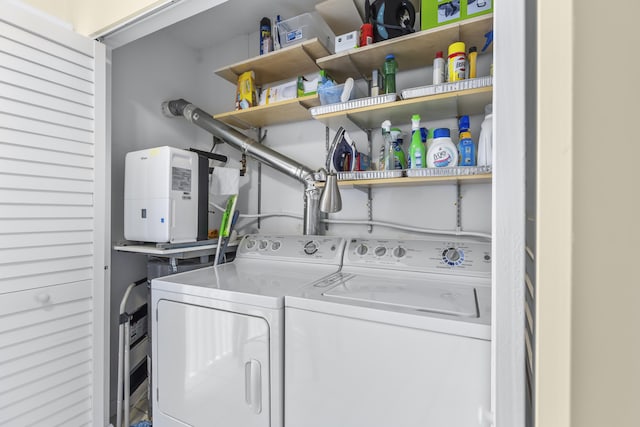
161	195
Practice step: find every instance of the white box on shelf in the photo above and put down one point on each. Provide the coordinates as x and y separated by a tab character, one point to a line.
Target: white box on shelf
279	92
346	41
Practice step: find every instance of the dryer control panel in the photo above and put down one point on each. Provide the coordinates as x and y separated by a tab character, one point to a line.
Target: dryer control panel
424	255
319	249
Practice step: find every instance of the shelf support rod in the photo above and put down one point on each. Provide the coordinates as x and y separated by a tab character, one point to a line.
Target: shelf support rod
458	206
326	149
370	209
369	196
260	140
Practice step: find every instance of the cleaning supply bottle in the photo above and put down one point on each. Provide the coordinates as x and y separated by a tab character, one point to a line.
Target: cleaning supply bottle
429	139
387	157
266	45
389	69
399	158
443	152
485	142
416	149
472	59
466	147
467	150
457	61
438	69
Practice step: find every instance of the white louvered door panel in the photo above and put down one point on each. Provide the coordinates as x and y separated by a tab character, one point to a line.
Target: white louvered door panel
53	156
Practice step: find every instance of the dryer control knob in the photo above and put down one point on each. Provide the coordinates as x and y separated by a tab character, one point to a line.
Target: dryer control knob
263	244
310	247
251	244
399	252
275	245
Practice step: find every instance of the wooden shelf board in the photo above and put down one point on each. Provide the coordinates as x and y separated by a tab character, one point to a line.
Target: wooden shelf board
282	64
281	112
432	107
412	51
422	180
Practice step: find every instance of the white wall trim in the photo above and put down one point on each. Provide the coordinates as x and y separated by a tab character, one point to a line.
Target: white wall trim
508	215
101	294
147	22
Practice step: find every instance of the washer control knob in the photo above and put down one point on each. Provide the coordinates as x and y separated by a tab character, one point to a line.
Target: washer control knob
453	256
310	247
362	249
380	251
263	244
251	243
399	252
275	245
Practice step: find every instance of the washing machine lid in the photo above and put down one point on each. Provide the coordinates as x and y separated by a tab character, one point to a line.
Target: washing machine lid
427	296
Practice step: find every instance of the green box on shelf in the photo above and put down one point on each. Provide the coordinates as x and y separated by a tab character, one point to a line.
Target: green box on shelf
434	13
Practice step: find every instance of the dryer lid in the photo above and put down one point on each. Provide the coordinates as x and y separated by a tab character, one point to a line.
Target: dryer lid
420	295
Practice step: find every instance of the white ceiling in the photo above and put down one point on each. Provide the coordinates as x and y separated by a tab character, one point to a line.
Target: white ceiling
233	18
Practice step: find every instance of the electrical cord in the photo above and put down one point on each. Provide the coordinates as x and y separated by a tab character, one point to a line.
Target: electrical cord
262	215
407	228
367	222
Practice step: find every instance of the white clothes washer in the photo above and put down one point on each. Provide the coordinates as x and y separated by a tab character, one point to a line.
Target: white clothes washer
217	348
399	337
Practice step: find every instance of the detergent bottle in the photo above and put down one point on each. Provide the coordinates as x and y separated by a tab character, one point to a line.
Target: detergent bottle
466	147
467	150
416	149
485	149
443	152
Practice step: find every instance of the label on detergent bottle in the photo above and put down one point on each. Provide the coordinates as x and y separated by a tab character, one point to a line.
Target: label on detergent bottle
398	156
418	158
441	158
442	155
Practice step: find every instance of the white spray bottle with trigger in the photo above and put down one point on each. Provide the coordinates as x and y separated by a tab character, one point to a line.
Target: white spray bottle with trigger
387	156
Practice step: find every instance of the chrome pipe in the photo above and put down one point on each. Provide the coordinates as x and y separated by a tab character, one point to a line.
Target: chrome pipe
261	153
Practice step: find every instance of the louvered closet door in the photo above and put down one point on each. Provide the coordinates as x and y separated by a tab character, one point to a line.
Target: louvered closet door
52	223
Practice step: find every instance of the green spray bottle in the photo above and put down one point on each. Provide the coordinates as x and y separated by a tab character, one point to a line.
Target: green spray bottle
417	155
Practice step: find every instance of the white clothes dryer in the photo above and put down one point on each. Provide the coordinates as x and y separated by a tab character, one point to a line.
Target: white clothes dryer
399	337
217	348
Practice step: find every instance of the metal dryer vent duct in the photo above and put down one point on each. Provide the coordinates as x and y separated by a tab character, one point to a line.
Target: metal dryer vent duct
261	153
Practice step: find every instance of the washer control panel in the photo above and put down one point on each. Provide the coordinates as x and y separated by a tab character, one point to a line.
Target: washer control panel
283	247
466	257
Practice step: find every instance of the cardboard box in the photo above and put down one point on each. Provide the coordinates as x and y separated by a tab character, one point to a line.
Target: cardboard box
280	92
347	41
435	13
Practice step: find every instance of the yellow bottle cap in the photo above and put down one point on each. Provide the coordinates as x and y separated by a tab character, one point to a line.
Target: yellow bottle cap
456	47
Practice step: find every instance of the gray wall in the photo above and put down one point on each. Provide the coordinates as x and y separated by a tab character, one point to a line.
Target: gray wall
144	73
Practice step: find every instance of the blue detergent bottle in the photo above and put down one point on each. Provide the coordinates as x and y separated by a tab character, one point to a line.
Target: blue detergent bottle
466	150
466	147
